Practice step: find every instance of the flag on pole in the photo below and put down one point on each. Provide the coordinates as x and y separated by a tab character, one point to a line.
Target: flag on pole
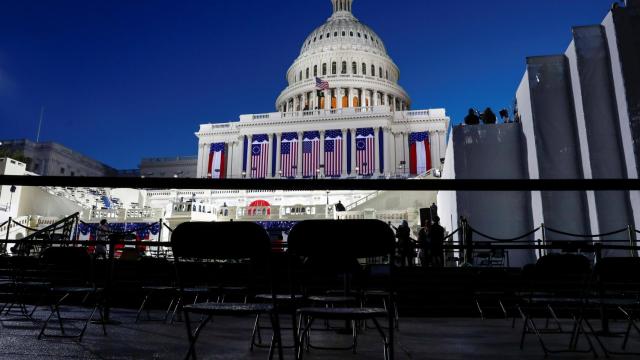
259	156
321	84
419	153
310	153
217	161
289	155
333	153
365	151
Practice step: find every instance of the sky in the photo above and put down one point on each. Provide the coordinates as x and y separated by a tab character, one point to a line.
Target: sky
122	80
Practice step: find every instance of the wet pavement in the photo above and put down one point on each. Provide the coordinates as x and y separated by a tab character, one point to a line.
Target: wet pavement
228	338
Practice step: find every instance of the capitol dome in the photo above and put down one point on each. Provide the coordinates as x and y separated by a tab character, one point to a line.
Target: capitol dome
352	59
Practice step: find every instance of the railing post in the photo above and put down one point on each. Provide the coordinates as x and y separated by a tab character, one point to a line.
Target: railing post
543	250
6	238
468	242
159	238
631	230
598	250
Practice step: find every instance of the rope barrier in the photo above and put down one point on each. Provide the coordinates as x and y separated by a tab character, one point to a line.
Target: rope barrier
586	236
24	226
168	227
506	240
4	223
453	233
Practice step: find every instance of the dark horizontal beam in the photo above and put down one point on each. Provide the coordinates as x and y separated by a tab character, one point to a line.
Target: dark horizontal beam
323	184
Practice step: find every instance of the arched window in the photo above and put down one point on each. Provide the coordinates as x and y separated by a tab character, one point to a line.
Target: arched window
344	33
315	71
364	69
344	67
359	35
387	74
300	77
328	35
373	70
351	33
324	69
321	37
380	72
335	34
354	68
307	73
334	68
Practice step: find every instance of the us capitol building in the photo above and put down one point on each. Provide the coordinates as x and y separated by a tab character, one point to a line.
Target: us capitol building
343	115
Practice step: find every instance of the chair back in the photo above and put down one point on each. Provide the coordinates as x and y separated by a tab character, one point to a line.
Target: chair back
562	274
618	276
205	251
330	251
66	266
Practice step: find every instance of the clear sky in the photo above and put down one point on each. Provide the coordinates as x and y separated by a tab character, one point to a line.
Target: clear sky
125	79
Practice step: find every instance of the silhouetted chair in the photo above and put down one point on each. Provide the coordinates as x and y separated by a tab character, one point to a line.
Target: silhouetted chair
557	286
616	287
70	273
335	247
211	242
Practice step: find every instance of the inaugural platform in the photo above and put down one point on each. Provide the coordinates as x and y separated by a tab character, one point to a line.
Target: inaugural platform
342	115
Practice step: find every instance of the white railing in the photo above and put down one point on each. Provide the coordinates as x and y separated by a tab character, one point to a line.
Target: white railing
316	113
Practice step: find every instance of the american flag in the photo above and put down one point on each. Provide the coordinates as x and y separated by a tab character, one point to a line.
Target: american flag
217	163
365	151
321	84
419	153
289	155
333	153
259	156
310	153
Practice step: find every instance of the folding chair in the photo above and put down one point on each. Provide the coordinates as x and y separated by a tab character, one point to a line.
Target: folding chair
616	287
334	247
70	272
210	243
557	284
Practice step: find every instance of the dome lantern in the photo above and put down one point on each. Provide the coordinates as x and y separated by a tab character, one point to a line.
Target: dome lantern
342	6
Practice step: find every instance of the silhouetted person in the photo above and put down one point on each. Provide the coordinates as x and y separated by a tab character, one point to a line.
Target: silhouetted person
102	234
472	118
405	246
340	207
424	243
489	117
504	114
436	238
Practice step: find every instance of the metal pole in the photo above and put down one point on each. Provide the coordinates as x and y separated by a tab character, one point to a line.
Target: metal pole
7	236
632	239
159	238
544	240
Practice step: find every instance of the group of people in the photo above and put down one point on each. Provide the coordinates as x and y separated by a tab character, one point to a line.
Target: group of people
430	244
474	117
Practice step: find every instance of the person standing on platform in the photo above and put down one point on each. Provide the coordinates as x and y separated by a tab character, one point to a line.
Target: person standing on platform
436	237
489	117
424	243
102	234
340	207
472	118
405	246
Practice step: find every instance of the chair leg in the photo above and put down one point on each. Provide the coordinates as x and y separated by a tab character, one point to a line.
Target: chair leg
277	335
354	334
255	332
194	337
388	348
144	302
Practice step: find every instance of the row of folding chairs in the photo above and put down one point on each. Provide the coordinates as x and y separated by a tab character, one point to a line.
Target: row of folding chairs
561	287
317	251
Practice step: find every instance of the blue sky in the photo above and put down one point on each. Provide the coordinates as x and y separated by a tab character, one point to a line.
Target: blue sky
125	79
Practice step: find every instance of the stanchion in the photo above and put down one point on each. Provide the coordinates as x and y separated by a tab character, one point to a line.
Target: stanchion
543	251
108	287
632	239
7	236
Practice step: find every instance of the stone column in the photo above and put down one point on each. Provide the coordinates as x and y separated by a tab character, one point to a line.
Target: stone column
388	150
352	93
322	169
375	169
353	152
327	99
338	98
295	104
344	153
299	163
278	148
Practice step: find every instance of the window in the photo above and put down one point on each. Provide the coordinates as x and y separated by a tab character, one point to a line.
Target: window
334	68
307	73
351	33
324	69
359	35
314	39
328	35
315	71
380	72
387	74
344	67
321	37
61	170
366	37
364	69
373	70
354	68
300	77
344	33
335	34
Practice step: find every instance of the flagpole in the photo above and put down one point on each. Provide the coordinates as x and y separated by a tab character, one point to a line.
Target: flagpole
40	124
